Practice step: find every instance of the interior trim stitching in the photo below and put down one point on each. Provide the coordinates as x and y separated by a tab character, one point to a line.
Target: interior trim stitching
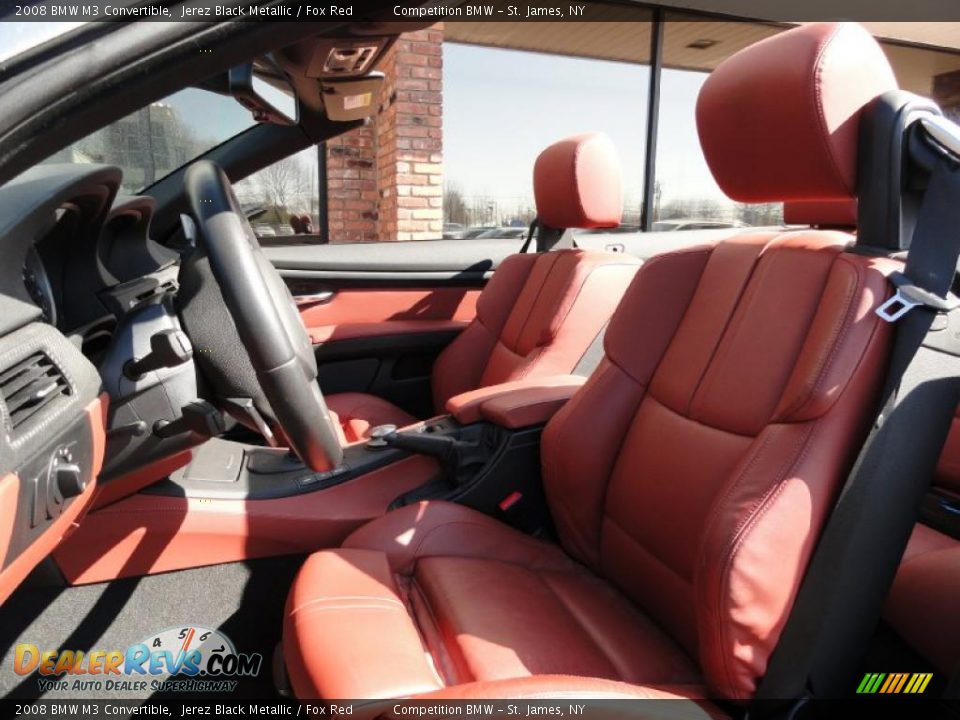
742	530
728	322
836	340
442	666
816	79
554	261
584	629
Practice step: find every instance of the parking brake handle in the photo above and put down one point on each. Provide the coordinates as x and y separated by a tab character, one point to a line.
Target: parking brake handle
455	456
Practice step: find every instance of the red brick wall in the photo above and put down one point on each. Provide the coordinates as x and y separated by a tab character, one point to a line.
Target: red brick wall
352	192
385	180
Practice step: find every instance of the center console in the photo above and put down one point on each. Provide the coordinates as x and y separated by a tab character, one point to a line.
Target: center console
237	501
487	452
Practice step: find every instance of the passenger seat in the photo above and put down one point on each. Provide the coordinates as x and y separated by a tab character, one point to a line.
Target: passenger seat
541	313
923	602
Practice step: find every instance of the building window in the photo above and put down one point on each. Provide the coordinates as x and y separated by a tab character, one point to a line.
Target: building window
285	198
930	73
512	89
467	106
685	195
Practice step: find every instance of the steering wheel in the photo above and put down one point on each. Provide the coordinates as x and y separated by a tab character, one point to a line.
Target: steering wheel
248	338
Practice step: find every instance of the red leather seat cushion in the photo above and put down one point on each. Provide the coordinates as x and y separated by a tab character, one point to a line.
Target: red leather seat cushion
358	413
481	602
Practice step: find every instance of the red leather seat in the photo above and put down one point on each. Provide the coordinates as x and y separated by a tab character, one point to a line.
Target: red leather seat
922	605
690	477
540	313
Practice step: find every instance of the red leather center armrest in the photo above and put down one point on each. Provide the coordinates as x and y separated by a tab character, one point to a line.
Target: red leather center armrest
515	404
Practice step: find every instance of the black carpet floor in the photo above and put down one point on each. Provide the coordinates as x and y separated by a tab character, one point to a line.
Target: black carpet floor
242	600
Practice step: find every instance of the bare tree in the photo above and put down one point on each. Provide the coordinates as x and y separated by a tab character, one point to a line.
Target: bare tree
454	206
283	184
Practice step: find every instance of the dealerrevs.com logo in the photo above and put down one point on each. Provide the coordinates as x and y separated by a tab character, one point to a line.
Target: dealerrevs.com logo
184	659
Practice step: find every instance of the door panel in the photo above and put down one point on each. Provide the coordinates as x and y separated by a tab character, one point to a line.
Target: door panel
380	313
349	312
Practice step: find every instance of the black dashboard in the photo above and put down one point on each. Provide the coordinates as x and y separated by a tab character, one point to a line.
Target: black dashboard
77	256
83	289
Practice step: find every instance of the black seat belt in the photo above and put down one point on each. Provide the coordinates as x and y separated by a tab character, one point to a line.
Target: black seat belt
840	599
533	229
548	238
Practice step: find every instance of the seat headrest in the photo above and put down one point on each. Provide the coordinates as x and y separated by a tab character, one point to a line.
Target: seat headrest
780	119
821	213
577	183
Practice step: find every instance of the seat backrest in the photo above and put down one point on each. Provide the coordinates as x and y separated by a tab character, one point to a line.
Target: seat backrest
696	467
541	312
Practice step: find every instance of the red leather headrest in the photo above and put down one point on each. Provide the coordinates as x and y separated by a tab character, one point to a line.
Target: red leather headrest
821	213
577	183
779	120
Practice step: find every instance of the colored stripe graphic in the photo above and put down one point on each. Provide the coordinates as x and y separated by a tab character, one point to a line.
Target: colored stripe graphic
894	683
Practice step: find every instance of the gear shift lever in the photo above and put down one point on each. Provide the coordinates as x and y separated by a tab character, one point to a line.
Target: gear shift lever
455	456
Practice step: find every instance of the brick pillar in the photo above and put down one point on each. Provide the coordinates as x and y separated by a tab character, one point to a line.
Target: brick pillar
410	134
385	180
946	92
352	197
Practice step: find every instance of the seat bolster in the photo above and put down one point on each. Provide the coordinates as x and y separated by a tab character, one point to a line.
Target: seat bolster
442	529
344	617
567	686
357	413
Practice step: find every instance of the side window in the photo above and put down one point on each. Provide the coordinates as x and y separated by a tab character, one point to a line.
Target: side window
286	196
513	88
465	109
685	195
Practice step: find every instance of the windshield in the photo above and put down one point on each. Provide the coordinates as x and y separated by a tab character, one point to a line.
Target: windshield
18	37
160	138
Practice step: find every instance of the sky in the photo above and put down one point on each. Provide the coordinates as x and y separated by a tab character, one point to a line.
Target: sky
502	107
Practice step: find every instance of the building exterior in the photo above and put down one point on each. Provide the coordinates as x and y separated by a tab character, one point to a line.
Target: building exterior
412	168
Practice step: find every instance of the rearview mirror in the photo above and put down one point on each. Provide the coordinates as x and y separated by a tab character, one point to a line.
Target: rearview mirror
266	100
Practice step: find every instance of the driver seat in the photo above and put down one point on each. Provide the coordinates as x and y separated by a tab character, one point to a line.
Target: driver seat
688	480
541	312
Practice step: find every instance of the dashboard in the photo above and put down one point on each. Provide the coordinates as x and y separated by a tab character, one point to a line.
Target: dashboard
85	254
83	288
37	282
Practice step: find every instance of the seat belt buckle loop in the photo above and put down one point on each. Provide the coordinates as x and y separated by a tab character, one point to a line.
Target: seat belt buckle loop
909	296
896	307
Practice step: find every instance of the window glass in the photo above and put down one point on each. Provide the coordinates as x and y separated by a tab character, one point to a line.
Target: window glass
510	89
286	198
160	138
930	73
685	194
465	109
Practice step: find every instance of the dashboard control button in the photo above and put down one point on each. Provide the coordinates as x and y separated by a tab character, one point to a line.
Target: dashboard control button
68	480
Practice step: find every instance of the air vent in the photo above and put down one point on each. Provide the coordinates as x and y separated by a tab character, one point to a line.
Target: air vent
30	386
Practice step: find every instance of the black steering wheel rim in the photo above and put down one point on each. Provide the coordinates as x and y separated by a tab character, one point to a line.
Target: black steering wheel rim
265	319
